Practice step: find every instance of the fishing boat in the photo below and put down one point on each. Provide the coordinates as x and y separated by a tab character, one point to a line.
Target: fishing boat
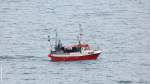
79	51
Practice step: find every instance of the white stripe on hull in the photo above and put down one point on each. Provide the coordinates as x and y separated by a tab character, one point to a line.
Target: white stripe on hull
77	54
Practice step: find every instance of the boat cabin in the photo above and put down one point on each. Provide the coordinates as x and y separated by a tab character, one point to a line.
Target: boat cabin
59	49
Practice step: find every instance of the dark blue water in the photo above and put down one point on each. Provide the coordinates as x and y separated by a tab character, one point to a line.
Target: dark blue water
120	28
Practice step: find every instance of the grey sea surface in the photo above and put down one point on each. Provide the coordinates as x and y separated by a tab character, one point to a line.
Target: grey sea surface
121	28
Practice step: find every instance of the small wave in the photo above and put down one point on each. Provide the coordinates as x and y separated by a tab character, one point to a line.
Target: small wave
27	79
21	57
28	68
27	73
124	81
144	64
26	57
6	57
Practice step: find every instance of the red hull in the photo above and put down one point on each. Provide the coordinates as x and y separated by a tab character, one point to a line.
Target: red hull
75	58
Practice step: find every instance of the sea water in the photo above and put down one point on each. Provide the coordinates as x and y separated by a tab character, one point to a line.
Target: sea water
120	28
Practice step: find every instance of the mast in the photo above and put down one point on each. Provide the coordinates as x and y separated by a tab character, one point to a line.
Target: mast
80	34
50	45
56	38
